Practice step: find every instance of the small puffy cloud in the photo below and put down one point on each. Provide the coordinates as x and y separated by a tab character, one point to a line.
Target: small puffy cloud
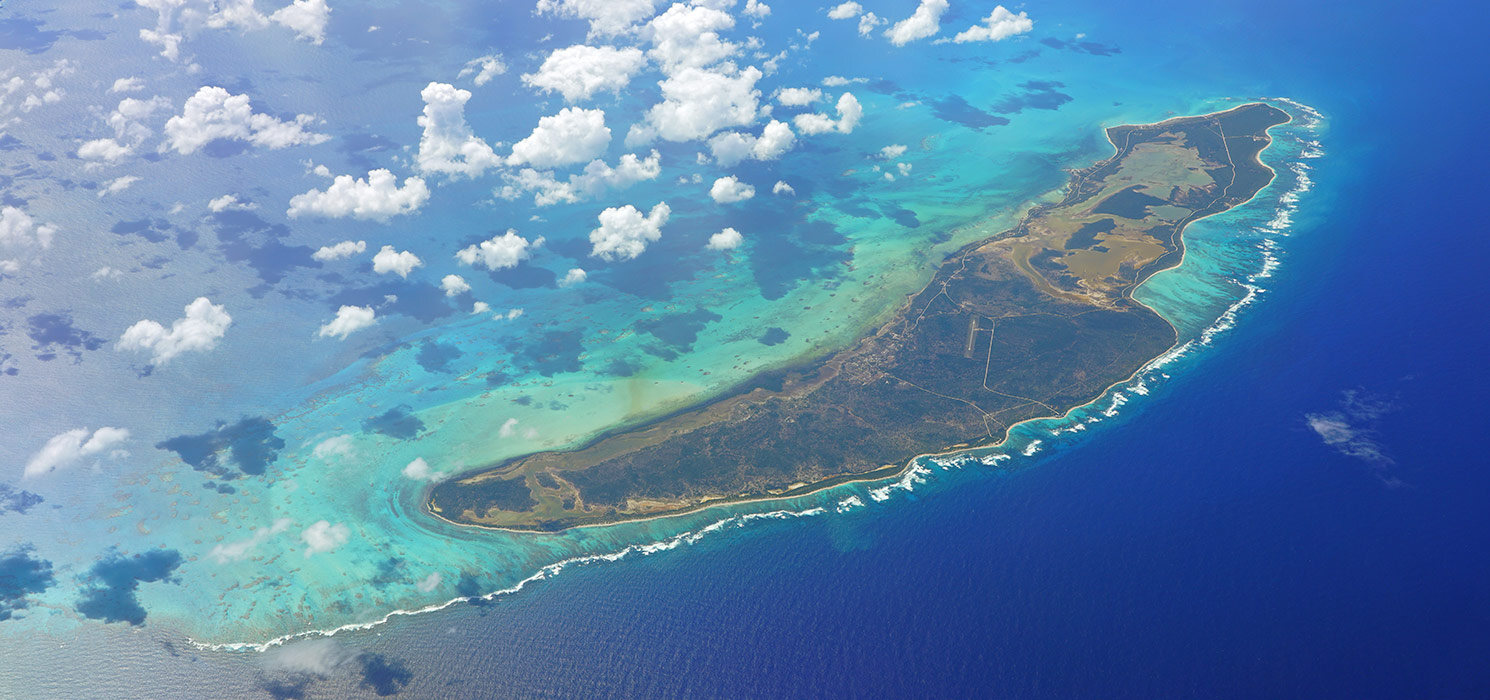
454	285
104	273
214	113
19	231
320	657
307	18
510	315
849	112
127	121
117	185
596	178
729	189
798	97
70	447
344	249
687	36
580	71
448	145
869	21
323	537
892	151
997	26
401	262
904	168
756	9
573	276
228	202
130	84
429	583
349	320
697	103
499	252
573	135
378	197
103	149
480	307
925	22
243	549
840	81
606	17
484	68
782	188
419	470
338	447
624	232
728	239
732	147
847	10
204	324
509	429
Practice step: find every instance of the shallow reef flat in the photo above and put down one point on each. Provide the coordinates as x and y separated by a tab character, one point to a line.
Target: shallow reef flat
1028	323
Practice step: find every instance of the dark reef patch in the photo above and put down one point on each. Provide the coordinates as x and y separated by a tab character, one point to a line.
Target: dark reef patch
1081	46
1038	94
555	352
251	444
396	422
21	575
678	330
957	110
54	333
14	500
773	336
110	585
386	676
435	356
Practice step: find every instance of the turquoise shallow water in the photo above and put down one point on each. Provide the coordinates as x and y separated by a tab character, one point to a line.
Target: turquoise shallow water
823	267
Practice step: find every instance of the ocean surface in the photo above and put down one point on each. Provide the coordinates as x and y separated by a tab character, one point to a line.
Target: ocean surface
1291	504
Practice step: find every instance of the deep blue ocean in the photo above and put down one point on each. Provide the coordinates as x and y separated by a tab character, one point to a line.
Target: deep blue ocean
1206	544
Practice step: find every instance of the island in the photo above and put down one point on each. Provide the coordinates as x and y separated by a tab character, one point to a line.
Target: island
1026	324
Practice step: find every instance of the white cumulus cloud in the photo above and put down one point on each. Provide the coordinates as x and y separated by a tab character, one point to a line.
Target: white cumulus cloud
400	262
448	144
337	447
606	17
729	189
731	147
997	26
728	239
573	276
499	252
454	285
129	84
798	97
849	113
307	18
483	68
624	232
21	232
580	71
697	102
925	22
595	179
204	324
573	135
419	470
781	187
70	447
349	320
847	10
243	549
378	197
214	113
687	36
344	249
324	537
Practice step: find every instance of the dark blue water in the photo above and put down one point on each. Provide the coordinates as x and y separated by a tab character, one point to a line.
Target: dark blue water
1209	544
